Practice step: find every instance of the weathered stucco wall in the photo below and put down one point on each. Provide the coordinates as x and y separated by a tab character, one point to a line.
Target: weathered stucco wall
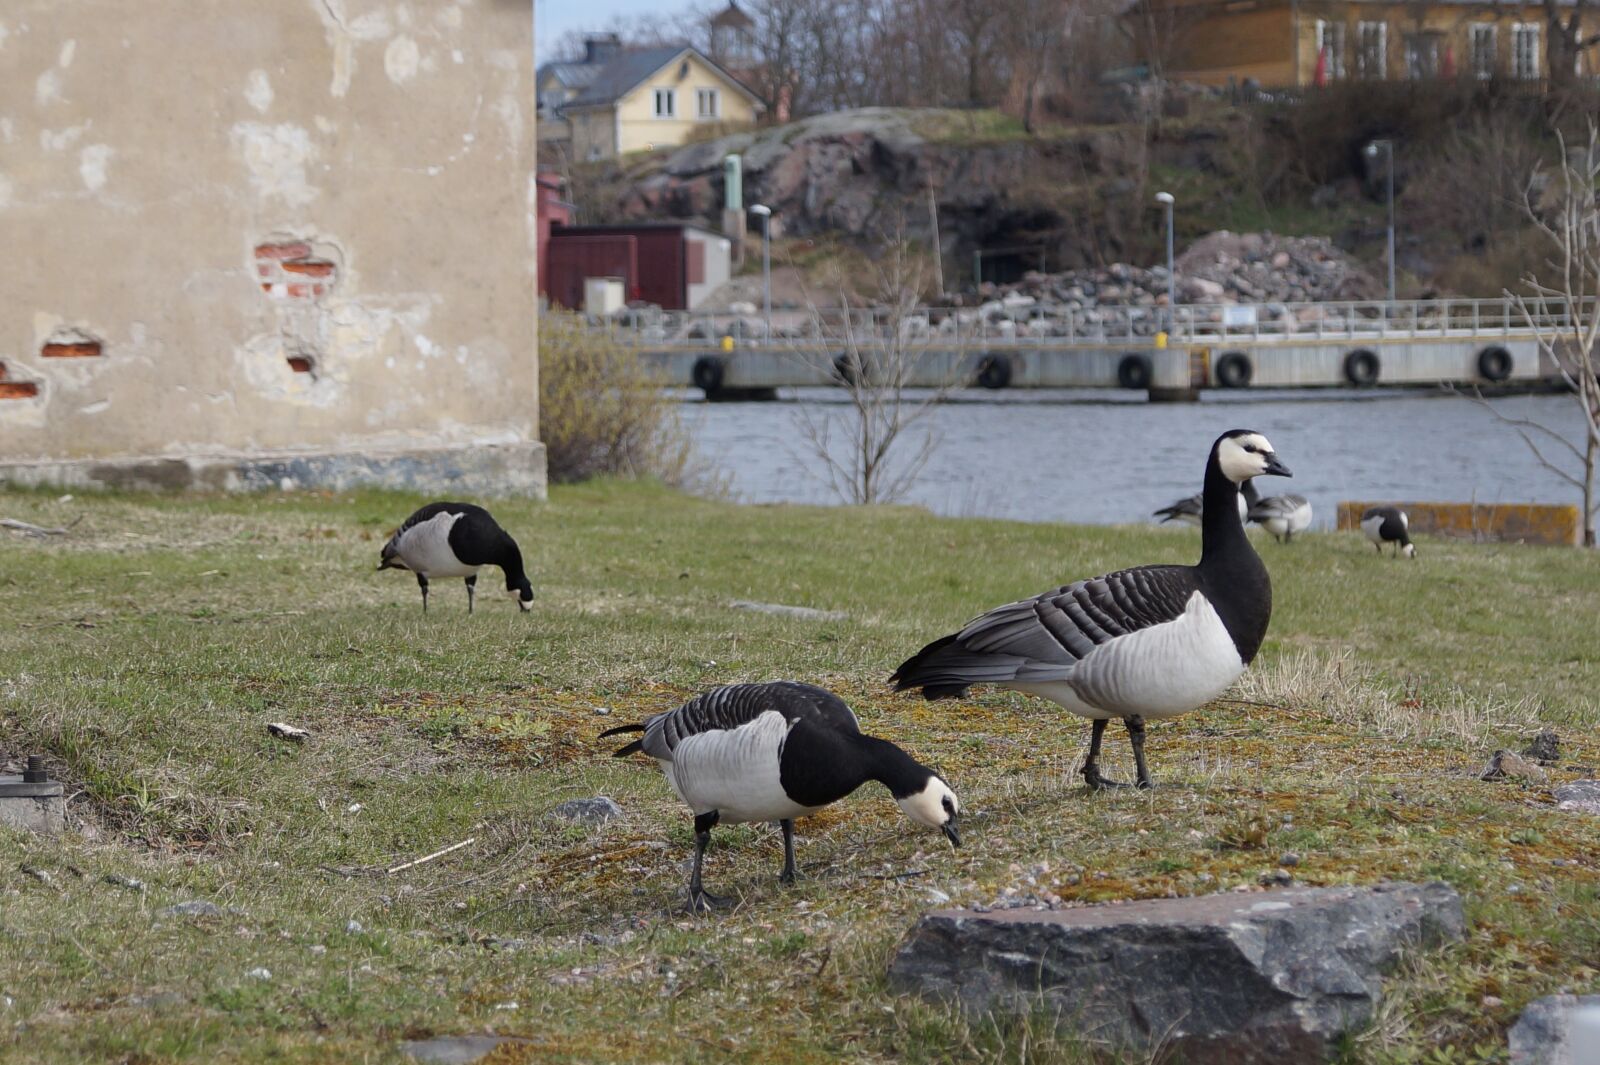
247	228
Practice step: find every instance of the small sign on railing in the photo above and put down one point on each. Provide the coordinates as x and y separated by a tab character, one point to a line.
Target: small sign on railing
1239	315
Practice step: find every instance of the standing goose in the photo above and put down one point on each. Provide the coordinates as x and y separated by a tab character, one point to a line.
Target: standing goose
1388	525
774	752
1282	516
456	540
1148	642
1189	508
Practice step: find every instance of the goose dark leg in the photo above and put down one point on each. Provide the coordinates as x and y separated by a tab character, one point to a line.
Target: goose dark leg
701	900
1136	737
787	876
1091	765
422	582
472	590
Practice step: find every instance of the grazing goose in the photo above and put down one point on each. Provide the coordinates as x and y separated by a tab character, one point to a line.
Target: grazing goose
1190	509
456	540
774	752
1388	525
1149	642
1282	516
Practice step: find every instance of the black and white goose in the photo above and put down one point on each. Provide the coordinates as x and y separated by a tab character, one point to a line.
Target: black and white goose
1282	516
456	540
1388	525
774	752
1139	644
1189	509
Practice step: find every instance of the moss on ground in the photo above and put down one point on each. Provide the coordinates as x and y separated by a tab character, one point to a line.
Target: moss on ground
147	652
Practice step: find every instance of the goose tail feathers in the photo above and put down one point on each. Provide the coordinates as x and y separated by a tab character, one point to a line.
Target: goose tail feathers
633	748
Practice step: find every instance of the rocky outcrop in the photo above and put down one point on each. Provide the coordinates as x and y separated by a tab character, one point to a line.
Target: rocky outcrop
1254	977
1557	1030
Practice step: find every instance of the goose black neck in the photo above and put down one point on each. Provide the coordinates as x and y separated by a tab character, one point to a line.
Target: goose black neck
896	770
1221	532
511	561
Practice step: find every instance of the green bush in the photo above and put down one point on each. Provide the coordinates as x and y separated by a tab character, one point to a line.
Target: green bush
601	410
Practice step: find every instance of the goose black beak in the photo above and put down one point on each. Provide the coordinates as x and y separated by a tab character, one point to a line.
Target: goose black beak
1276	468
951	832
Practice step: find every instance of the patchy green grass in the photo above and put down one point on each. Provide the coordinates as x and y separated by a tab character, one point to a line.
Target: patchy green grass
147	652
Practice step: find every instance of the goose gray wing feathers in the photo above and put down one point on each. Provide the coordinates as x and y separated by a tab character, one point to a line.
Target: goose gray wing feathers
734	705
1044	638
1276	507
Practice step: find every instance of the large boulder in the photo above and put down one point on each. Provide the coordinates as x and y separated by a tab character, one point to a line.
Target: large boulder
1237	978
1557	1030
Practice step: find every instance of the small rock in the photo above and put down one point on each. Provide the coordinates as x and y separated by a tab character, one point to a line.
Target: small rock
595	811
288	732
1557	1030
1277	878
1507	765
455	1049
41	875
1582	796
194	908
602	711
1492	1002
354	808
782	610
1544	748
937	897
1288	859
124	882
353	928
318	948
259	973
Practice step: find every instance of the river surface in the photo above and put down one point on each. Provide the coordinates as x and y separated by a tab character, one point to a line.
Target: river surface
1105	458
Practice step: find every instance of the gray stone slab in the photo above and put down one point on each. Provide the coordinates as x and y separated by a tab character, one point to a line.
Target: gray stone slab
595	811
1557	1030
33	806
1253	977
1580	795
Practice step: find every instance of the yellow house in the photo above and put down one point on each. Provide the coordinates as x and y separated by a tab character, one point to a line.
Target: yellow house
1282	43
654	98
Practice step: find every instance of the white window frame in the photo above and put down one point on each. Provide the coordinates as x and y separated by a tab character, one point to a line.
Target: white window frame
1334	42
1416	49
1520	32
701	98
1484	31
669	97
1363	54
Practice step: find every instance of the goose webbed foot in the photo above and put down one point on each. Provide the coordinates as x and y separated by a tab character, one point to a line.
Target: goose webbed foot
1096	782
1091	764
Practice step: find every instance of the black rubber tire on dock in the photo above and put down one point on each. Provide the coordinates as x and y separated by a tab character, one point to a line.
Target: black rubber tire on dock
1135	371
1494	363
1235	370
994	372
1361	367
707	373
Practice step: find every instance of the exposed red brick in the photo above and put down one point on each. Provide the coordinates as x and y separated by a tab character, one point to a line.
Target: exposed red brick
299	290
18	390
294	249
266	286
263	270
76	349
309	267
318	290
299	364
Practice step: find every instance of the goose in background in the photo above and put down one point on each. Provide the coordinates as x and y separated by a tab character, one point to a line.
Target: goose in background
1189	509
1388	525
1139	644
456	540
1282	516
774	752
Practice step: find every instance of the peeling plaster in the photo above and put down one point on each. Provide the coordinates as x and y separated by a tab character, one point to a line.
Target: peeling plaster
48	88
449	16
259	91
96	408
400	60
68	50
276	157
92	163
5	192
59	140
4	33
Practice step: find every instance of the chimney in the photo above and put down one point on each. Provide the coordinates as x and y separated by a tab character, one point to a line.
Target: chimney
601	48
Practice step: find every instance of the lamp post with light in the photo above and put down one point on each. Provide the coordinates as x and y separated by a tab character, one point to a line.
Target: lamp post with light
1387	148
766	265
1167	200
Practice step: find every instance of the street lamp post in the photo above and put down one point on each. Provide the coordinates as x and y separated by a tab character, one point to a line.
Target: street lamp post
766	265
1387	147
1166	200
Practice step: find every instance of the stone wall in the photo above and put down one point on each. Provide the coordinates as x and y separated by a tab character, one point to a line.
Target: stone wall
260	236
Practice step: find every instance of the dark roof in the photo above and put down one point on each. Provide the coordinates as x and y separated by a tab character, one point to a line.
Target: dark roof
733	15
574	75
618	77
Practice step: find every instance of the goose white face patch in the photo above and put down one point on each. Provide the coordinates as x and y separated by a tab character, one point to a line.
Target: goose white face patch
928	806
1243	457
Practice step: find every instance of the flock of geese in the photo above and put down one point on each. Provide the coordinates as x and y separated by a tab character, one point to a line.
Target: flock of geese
1139	645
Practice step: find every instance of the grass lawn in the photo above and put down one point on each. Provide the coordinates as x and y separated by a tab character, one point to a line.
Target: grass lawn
146	653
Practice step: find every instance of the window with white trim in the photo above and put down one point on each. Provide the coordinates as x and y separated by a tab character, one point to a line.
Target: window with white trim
1525	50
666	103
1372	49
1330	43
708	103
1483	51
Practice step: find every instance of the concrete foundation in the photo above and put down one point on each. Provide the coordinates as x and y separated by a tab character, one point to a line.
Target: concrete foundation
33	807
497	469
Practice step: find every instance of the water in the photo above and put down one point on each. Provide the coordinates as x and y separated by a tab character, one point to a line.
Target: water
1108	457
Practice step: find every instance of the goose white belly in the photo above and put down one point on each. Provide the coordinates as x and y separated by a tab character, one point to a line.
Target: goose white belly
425	549
1290	522
1372	527
735	772
1158	672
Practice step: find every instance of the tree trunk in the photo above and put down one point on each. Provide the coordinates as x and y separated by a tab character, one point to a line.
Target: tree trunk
1589	457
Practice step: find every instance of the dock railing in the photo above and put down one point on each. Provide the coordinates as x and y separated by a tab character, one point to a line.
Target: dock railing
1029	323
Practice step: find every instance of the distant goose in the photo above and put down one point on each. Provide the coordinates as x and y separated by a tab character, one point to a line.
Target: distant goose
1189	509
774	752
1149	642
1282	516
456	540
1388	525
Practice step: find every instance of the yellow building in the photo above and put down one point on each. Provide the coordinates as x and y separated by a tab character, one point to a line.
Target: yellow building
1280	43
654	98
